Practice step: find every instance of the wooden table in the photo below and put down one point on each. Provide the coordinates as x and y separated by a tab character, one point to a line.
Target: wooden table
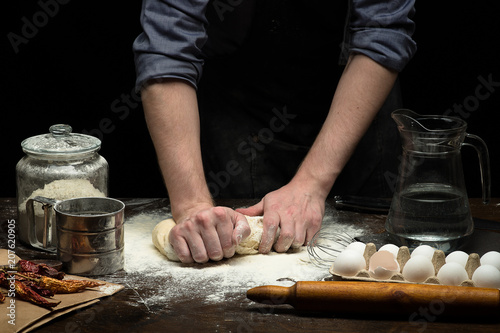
123	311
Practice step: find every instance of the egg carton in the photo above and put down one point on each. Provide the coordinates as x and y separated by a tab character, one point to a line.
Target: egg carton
438	260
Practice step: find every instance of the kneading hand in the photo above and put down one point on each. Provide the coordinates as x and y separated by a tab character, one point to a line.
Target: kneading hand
298	214
208	234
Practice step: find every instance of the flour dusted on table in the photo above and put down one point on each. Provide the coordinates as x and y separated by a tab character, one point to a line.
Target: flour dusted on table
168	282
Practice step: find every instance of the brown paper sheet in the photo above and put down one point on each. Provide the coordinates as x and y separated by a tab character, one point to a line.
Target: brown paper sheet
30	316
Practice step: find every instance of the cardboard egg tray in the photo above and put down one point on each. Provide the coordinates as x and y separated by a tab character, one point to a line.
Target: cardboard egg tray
438	260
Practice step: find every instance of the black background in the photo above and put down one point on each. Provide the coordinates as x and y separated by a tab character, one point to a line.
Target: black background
77	68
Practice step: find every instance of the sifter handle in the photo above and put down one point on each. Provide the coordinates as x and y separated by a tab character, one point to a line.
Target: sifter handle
32	225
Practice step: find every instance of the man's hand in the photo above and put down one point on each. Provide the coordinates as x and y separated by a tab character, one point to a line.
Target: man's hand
298	207
296	211
210	233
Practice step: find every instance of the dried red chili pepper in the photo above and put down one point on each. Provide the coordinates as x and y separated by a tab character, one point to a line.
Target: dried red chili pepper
36	288
27	275
3	280
25	293
28	283
86	283
32	281
42	269
3	283
58	286
65	286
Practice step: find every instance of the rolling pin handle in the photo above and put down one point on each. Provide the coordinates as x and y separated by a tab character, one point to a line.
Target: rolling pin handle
380	297
271	295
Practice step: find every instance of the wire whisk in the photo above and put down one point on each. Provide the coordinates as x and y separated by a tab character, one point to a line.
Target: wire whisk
326	245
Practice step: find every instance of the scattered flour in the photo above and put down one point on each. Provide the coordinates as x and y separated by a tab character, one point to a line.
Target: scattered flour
163	282
109	289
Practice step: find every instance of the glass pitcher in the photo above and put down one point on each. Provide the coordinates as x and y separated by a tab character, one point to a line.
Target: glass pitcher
430	203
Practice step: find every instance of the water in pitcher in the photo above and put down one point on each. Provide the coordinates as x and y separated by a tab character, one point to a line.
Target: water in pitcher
430	205
431	213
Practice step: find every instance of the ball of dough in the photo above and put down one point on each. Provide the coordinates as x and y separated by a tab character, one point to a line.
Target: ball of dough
249	245
160	239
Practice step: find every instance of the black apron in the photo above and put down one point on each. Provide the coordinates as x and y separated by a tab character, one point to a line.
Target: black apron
270	74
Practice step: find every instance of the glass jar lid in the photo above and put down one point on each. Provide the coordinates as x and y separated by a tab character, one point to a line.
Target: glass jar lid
60	141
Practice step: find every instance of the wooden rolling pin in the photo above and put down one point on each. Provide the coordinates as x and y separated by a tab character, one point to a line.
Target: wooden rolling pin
381	298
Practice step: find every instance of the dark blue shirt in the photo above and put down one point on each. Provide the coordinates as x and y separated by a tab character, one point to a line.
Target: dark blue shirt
179	35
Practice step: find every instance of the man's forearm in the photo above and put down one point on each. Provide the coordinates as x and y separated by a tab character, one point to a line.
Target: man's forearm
171	112
361	91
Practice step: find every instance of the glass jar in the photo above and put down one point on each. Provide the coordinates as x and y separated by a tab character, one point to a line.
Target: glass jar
58	165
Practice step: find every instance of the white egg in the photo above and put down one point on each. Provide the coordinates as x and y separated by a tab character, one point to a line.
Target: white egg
348	263
486	276
459	257
383	265
391	248
491	258
452	274
418	269
424	250
357	246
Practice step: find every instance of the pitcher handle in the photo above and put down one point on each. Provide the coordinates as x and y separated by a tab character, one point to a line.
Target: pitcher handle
47	212
484	163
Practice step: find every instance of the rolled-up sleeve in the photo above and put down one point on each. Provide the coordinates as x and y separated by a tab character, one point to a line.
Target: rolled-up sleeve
174	32
381	30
